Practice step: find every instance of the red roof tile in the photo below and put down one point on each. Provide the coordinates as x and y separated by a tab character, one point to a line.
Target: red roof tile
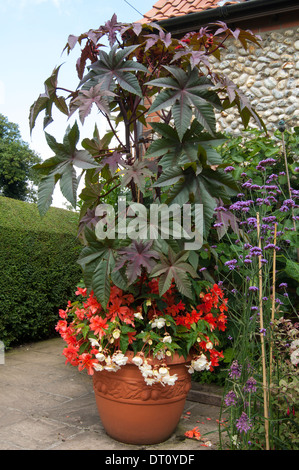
164	9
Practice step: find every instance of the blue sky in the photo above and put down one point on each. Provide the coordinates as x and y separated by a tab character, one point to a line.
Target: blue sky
33	34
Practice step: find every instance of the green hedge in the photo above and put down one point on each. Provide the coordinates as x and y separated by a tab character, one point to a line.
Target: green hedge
38	269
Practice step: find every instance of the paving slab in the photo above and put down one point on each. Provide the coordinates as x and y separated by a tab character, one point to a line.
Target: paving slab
46	404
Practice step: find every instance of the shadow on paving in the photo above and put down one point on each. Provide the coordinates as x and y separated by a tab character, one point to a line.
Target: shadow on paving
45	404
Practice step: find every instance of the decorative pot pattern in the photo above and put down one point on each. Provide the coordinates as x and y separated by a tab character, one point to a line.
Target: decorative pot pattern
135	413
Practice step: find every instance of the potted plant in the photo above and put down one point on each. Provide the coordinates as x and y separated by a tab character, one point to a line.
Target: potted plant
147	311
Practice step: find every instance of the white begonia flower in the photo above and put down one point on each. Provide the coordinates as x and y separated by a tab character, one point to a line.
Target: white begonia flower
163	370
170	379
120	359
116	333
209	345
146	369
100	357
94	343
137	360
98	367
160	355
200	363
138	315
149	380
112	367
167	339
158	322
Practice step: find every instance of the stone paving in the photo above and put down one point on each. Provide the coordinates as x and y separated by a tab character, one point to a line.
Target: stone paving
47	405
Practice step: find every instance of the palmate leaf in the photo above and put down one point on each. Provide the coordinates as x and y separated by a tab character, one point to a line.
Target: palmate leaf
227	219
174	267
97	260
184	92
97	145
235	97
113	161
203	188
87	98
114	66
62	167
46	100
179	152
138	172
136	256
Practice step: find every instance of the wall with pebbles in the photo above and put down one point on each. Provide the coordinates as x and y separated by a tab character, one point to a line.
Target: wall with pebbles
268	76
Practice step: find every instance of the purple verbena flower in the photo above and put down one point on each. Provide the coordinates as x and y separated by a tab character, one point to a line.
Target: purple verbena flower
255	251
251	221
259	201
231	264
267	162
270	187
269	219
229	168
272	177
289	203
271	246
283	284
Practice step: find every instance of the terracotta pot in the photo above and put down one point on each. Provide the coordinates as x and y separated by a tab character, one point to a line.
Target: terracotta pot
135	413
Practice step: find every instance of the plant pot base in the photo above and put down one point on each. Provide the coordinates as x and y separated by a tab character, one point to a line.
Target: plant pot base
135	413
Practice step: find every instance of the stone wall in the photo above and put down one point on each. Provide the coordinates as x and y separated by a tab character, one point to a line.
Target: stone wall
269	77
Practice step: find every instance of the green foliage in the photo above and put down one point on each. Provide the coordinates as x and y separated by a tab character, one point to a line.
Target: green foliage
38	269
266	168
16	160
144	72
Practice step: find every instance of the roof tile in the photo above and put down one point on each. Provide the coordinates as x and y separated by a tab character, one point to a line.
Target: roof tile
164	9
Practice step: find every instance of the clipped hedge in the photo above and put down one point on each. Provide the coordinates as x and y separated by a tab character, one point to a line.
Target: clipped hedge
38	269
